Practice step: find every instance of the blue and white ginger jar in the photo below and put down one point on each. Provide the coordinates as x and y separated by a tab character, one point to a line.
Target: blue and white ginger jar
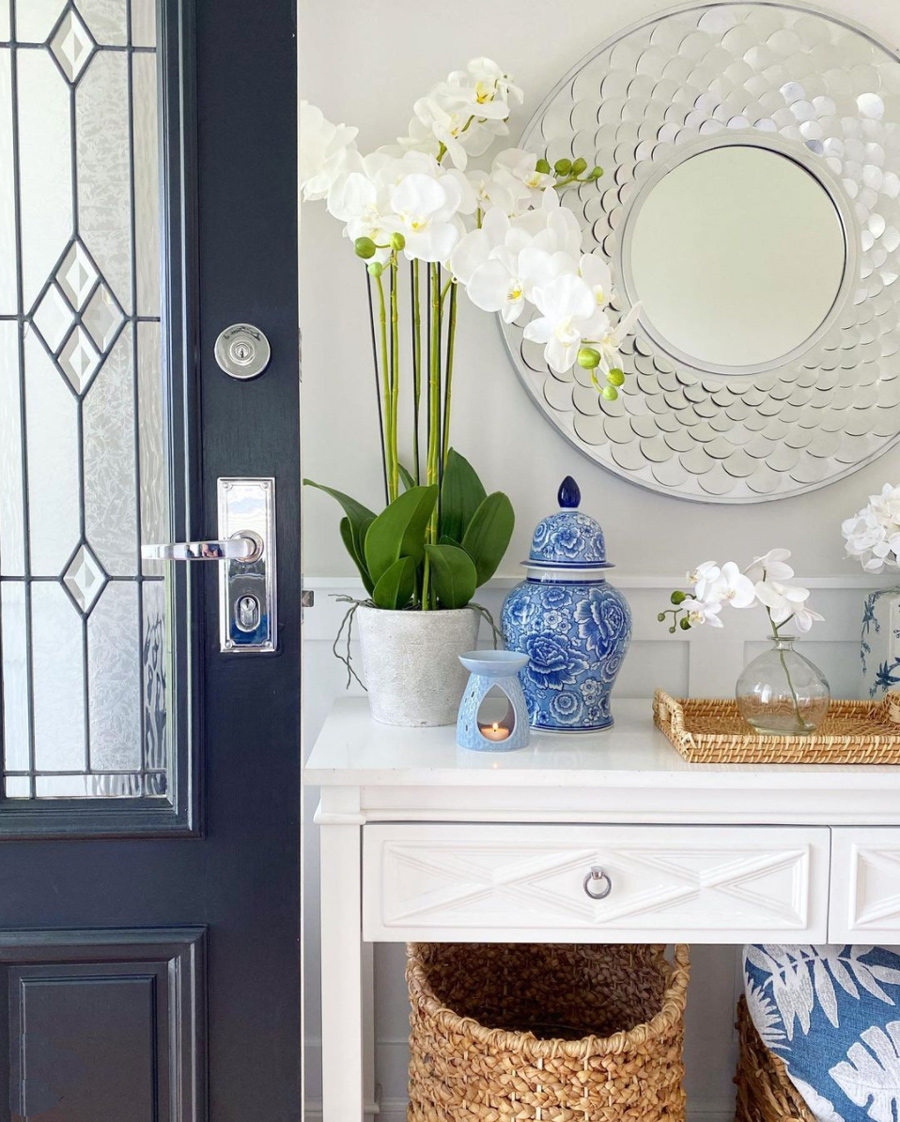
573	625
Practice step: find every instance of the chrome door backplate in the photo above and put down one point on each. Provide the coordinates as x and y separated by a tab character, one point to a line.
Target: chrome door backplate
247	589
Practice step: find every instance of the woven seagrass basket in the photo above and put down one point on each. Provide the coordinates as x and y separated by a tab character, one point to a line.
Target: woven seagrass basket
523	1032
764	1092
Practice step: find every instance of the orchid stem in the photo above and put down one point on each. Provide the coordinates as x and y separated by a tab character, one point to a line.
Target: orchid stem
386	391
448	376
417	361
776	633
377	389
395	379
434	419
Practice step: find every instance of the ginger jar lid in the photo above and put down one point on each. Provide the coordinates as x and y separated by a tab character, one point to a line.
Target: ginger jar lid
568	539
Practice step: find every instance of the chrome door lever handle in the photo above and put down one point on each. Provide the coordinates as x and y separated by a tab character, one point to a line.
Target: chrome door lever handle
245	546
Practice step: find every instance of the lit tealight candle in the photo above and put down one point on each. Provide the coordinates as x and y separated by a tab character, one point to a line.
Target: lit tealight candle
494	732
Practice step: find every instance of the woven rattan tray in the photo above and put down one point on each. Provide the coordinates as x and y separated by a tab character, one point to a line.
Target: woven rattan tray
714	732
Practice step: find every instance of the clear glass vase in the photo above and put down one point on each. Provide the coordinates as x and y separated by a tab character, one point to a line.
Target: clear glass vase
781	693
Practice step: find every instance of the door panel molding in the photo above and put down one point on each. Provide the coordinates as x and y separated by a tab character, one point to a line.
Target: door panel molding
114	1017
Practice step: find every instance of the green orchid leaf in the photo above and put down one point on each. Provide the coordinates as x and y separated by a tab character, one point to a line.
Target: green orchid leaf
360	516
397	585
406	478
446	540
453	575
488	535
462	493
350	546
399	531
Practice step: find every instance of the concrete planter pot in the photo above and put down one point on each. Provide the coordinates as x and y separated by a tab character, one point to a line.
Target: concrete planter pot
411	664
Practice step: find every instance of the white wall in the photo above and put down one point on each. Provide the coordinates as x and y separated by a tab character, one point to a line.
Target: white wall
364	63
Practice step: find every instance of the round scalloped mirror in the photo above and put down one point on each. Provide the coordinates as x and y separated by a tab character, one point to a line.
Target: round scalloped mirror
750	203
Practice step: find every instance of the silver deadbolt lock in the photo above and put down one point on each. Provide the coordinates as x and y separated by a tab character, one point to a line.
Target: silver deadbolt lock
242	351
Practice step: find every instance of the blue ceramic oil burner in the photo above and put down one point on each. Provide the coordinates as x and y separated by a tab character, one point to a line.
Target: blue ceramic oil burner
573	625
501	724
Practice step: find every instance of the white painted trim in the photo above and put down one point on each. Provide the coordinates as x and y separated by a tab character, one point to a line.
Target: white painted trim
848	581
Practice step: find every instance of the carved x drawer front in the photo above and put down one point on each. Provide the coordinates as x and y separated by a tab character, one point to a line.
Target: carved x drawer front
597	883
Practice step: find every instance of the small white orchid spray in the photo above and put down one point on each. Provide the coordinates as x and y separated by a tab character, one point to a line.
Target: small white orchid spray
426	223
872	535
767	580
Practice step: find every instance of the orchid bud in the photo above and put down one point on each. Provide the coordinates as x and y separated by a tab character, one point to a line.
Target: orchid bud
610	393
543	167
685	624
579	166
562	167
678	597
375	268
596	173
398	241
364	247
616	377
661	617
588	358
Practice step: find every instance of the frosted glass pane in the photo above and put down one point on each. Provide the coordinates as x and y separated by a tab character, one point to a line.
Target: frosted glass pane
52	434
57	653
114	679
12	528
104	158
87	786
143	23
45	168
156	657
8	305
84	651
107	20
154	489
110	502
35	19
15	676
146	184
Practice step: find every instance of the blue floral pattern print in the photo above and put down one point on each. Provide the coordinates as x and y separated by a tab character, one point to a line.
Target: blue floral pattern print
576	635
879	642
568	537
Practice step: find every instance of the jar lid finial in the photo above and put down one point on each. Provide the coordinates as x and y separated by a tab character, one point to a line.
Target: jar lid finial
569	494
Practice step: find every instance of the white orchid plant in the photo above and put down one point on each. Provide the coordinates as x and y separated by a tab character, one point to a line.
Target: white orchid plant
767	581
872	535
427	224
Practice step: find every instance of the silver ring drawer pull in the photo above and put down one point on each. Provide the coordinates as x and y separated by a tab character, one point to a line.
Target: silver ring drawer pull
597	883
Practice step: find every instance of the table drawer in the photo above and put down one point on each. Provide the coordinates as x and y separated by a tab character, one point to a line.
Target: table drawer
865	886
527	883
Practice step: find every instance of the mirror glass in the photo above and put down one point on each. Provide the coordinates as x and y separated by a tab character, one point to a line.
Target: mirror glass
737	256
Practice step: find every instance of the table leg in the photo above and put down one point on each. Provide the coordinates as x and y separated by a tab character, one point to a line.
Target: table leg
342	975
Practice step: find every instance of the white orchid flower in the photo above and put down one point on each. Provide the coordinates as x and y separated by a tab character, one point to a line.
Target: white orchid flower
782	600
805	617
507	279
325	152
770	566
513	182
703	577
567	308
491	83
425	211
730	586
363	205
607	340
701	612
595	271
872	536
550	226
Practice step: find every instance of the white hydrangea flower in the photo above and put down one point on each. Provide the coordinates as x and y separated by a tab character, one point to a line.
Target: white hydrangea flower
872	535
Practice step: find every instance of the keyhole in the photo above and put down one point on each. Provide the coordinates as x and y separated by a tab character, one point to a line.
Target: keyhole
241	351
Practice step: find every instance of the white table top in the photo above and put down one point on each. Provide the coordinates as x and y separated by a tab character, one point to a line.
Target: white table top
353	750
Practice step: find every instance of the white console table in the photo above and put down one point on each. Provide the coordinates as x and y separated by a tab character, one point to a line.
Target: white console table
421	840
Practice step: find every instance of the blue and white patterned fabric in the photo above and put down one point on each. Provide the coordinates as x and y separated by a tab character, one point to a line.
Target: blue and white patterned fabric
832	1014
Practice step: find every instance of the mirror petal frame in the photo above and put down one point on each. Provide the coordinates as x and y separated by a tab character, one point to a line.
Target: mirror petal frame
801	82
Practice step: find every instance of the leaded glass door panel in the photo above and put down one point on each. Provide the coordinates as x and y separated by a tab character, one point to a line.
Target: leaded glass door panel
149	789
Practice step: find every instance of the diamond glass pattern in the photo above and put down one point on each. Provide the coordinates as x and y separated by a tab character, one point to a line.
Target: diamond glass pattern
825	94
53	317
72	45
84	578
102	317
79	360
76	275
85	653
